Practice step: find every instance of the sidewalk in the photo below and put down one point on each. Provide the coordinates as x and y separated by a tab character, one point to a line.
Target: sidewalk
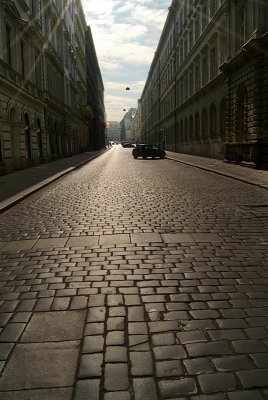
18	185
249	175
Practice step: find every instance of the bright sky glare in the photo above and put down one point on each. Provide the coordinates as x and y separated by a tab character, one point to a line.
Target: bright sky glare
125	34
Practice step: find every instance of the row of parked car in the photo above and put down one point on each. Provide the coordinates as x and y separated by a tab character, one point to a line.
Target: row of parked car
145	150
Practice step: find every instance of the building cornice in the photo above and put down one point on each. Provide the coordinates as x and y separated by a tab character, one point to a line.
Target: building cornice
255	47
16	92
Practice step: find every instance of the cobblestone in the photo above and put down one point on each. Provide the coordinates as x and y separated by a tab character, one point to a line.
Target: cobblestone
177	388
218	382
90	366
254	378
141	363
245	395
208	349
232	363
116	377
170	265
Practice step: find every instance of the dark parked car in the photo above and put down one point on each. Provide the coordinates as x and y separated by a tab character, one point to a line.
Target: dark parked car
148	150
125	144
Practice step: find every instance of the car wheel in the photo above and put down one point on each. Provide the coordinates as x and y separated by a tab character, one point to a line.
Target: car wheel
135	157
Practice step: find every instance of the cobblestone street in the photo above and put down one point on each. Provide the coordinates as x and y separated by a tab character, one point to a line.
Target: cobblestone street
135	280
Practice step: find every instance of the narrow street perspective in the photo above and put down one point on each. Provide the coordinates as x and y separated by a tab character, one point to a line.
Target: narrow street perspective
133	200
132	279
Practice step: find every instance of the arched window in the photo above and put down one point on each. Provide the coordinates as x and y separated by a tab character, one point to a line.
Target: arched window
241	113
27	138
204	124
39	139
181	135
191	128
186	133
222	121
15	136
57	139
197	126
213	121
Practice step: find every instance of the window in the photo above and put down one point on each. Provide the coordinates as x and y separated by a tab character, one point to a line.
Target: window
254	15
197	126
1	157
191	37
222	45
213	121
204	123
181	21
185	51
191	128
197	27
8	45
213	62
181	131
186	86
190	6
204	18
222	117
191	82
241	113
185	12
33	6
178	99
38	74
213	7
27	138
46	25
181	54
241	27
204	70
22	61
197	77
186	133
39	139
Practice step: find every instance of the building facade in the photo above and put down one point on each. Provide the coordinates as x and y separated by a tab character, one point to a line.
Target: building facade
95	97
137	126
43	92
127	128
206	92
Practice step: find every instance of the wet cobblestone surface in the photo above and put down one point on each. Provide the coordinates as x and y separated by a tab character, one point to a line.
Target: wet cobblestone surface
147	277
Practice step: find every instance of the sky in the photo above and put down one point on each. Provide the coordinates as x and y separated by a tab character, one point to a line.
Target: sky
126	34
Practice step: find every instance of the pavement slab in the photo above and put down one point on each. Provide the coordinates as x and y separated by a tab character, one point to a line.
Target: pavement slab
206	237
54	327
50	243
35	365
17	245
146	238
43	394
83	241
177	238
114	239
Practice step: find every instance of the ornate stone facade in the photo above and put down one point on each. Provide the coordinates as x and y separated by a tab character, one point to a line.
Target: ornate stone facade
43	90
206	92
